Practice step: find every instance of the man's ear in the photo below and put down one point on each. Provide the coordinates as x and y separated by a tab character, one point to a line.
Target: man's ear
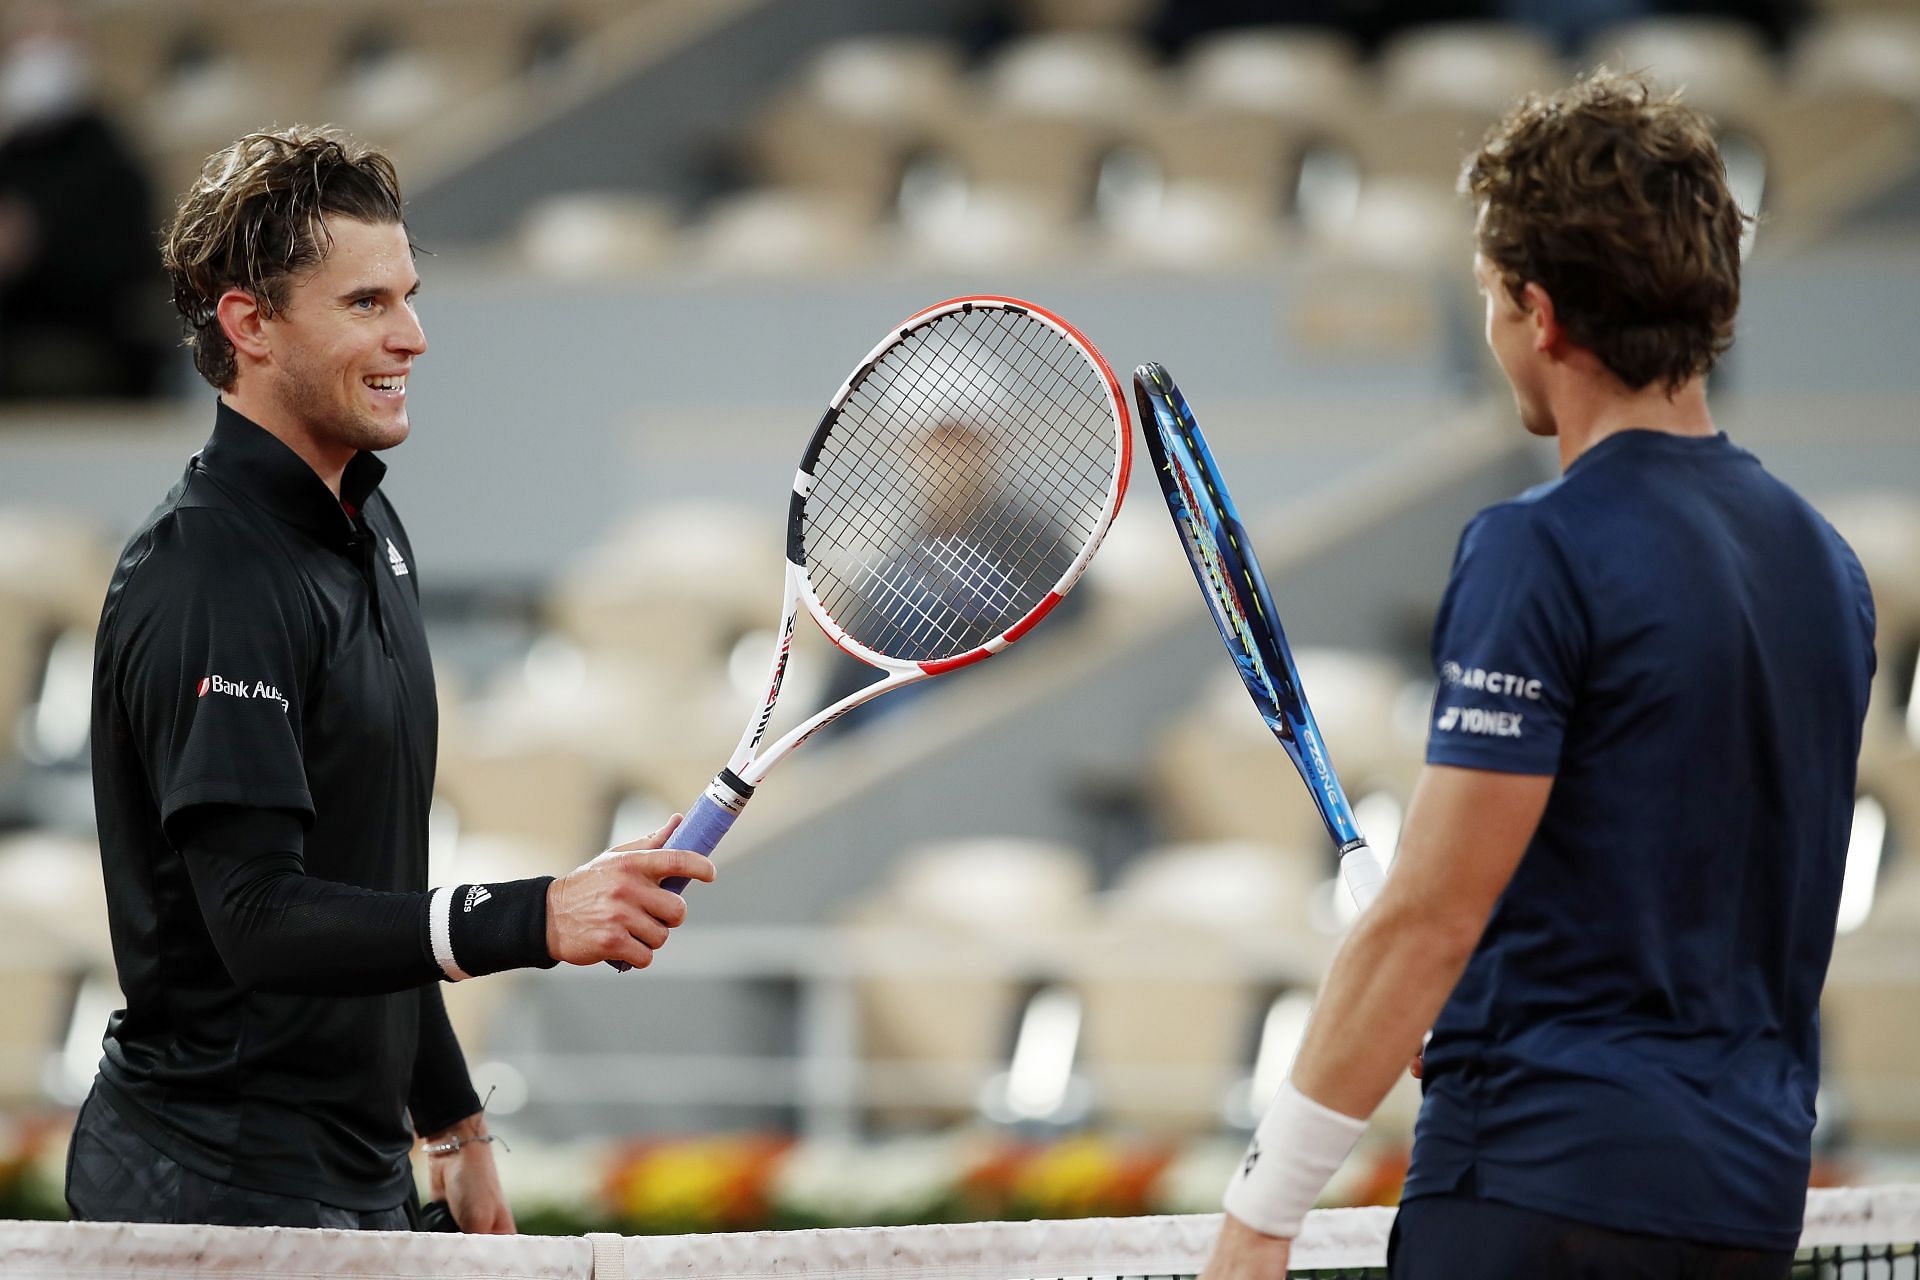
244	323
1548	333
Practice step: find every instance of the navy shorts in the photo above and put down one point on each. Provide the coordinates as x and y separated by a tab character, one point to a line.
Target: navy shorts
1450	1236
115	1175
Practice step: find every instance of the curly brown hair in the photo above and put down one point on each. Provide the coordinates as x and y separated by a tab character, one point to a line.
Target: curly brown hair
255	218
1613	199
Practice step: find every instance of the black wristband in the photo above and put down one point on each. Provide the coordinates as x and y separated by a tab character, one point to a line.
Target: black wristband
476	929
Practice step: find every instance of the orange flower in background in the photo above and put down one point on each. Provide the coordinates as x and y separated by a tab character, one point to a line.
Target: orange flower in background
1087	1176
694	1184
30	1164
988	1185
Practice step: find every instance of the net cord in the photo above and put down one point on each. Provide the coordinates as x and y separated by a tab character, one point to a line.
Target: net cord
1839	1218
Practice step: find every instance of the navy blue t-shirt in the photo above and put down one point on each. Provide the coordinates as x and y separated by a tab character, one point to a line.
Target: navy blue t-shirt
1685	646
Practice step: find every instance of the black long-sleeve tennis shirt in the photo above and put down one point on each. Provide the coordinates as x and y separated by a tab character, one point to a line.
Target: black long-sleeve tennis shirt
264	732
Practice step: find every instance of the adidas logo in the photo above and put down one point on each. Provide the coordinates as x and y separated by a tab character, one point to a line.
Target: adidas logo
396	561
476	893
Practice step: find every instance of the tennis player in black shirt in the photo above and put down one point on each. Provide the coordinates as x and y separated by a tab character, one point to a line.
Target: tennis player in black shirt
264	732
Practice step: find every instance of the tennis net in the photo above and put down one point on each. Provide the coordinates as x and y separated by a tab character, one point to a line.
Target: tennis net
1857	1233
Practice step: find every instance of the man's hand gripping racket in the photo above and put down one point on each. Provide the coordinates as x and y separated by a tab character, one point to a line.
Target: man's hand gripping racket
1223	563
952	493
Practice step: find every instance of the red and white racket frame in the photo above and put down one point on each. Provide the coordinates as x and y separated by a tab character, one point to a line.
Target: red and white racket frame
749	768
712	815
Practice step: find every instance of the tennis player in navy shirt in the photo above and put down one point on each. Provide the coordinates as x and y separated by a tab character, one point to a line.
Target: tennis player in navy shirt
1615	894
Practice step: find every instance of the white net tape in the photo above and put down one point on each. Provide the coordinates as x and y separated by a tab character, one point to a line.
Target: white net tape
1162	1246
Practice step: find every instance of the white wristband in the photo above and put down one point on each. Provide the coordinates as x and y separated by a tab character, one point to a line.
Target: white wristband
1295	1150
440	933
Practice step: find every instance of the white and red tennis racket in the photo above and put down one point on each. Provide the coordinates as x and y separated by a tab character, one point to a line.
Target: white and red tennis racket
954	491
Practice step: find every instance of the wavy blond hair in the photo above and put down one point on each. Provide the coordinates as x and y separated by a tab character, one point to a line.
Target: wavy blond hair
255	219
1613	198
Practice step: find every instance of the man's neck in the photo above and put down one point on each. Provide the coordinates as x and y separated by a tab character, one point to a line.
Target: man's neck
1589	409
329	462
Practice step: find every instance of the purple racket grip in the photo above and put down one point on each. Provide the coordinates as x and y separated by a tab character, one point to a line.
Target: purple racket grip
703	828
705	825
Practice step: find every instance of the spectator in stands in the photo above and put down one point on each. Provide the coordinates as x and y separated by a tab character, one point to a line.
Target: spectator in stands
78	288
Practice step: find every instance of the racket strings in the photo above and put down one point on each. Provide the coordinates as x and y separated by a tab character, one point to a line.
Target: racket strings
984	401
966	472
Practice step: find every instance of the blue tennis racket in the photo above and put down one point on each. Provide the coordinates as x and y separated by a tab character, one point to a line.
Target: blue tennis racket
1229	576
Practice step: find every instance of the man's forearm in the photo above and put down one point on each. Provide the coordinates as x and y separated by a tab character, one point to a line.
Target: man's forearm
1388	980
1466	832
281	930
1387	984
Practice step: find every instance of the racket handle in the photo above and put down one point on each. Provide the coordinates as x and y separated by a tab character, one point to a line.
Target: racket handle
1360	868
703	828
708	822
700	831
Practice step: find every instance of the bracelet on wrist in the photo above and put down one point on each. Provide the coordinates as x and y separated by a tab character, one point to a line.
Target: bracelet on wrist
449	1146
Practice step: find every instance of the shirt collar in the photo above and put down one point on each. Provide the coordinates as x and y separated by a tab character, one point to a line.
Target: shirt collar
259	464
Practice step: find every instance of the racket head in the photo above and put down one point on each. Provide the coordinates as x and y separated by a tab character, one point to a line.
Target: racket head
958	484
1223	562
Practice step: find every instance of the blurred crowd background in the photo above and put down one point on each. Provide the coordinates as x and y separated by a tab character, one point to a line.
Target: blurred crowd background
1041	938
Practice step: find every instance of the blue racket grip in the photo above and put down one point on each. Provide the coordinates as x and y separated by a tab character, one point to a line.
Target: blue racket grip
703	828
705	825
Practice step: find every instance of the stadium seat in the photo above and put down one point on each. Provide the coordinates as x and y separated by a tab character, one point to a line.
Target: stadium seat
1071	76
991	226
1289	73
1250	106
862	110
1827	153
53	578
1139	568
1401	223
594	234
1478	68
1052	110
1875	53
1870	1038
549	754
1172	1000
1221	747
201	105
772	230
1846	124
1441	87
1883	528
1720	65
131	49
396	69
663	587
1195	225
53	932
945	949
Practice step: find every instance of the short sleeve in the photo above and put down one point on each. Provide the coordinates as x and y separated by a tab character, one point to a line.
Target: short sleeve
210	661
1509	648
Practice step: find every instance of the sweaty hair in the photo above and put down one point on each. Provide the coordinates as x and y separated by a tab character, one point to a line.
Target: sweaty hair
253	220
1614	200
